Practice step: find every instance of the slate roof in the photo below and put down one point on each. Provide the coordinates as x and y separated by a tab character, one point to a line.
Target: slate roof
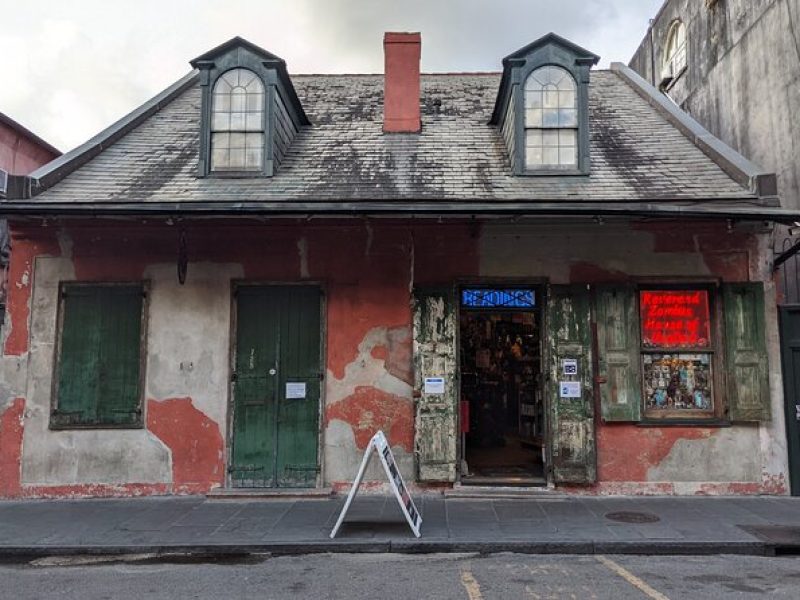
637	155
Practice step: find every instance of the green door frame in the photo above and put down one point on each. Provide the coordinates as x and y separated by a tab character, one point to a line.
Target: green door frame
235	286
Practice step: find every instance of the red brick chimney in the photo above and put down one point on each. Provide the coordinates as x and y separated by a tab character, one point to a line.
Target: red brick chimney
401	82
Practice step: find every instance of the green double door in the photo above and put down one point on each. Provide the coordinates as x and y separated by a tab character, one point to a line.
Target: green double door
276	387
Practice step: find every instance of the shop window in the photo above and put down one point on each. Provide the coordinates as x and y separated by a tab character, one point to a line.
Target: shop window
678	350
100	345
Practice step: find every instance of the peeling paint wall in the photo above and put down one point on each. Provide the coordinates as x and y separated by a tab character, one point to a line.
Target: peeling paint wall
367	270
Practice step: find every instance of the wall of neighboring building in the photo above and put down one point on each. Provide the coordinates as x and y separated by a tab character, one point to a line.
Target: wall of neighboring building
367	269
19	154
743	77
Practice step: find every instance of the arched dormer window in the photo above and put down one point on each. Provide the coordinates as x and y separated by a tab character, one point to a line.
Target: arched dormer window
237	122
551	119
675	54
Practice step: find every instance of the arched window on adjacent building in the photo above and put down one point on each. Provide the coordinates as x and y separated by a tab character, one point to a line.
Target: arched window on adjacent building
675	54
237	122
551	119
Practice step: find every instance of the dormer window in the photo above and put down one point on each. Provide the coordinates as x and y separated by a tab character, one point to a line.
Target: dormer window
551	119
250	111
542	108
237	122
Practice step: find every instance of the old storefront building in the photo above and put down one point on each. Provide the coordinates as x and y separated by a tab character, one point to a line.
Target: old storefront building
549	276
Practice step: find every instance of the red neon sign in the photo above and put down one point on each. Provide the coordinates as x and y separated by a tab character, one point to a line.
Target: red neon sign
676	319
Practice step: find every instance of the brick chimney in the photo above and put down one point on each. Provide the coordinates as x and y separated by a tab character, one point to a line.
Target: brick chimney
401	113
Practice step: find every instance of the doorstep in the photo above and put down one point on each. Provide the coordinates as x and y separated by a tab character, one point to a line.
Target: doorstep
268	493
459	490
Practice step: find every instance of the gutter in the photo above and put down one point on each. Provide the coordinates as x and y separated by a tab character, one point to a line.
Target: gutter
740	169
396	209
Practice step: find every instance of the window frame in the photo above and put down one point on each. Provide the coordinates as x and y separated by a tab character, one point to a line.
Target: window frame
144	287
669	59
716	351
557	128
579	70
265	120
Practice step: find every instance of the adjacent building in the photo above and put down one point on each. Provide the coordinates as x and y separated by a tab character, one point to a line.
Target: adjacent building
548	276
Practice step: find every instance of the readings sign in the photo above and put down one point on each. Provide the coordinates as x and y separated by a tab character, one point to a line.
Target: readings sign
380	445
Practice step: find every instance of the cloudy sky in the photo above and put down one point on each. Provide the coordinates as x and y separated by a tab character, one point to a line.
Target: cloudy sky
72	67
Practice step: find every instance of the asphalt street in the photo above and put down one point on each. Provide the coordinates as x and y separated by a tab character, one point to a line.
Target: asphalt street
442	577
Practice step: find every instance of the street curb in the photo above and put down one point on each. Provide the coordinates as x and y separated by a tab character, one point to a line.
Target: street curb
211	551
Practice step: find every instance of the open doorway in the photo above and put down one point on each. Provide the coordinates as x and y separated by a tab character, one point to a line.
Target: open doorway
503	416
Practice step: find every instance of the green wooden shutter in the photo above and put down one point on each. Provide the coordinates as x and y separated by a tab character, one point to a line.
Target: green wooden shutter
746	352
619	372
99	356
435	356
572	437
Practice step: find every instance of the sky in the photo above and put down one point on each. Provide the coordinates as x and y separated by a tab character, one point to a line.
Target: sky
73	67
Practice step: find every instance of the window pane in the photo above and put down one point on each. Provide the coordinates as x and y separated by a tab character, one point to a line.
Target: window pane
677	381
550	137
567	83
533	137
533	156
550	117
533	99
550	156
567	155
550	98
533	117
253	158
253	121
255	102
566	99
237	140
222	102
568	117
237	159
220	121
220	140
219	158
254	140
238	100
567	137
237	121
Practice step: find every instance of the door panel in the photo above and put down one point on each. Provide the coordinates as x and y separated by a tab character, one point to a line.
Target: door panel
790	356
572	424
278	341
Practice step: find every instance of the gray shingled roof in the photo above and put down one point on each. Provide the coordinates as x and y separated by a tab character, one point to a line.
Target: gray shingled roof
636	154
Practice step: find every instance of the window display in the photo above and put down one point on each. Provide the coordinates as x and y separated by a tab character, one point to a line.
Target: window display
677	381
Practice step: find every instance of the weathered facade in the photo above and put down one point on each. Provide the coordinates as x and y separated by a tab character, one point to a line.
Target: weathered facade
258	315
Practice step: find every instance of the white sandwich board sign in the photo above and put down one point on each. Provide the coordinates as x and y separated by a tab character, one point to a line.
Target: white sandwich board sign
380	445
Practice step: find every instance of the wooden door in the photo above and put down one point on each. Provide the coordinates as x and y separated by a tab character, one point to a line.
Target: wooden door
790	355
572	436
276	389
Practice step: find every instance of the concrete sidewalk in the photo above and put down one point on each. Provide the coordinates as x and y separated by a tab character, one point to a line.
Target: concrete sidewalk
541	524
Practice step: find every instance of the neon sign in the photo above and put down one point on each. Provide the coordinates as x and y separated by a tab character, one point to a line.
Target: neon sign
675	319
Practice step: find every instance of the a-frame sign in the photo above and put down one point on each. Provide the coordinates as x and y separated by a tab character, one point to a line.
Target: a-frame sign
380	445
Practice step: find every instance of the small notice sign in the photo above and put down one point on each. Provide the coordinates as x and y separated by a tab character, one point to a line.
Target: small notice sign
434	385
569	389
569	366
295	390
380	445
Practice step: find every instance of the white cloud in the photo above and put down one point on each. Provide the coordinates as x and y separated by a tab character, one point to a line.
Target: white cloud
72	68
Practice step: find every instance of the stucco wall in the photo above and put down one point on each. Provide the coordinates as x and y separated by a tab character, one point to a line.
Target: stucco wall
367	270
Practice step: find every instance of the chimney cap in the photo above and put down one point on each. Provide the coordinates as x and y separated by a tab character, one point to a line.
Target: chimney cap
402	37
